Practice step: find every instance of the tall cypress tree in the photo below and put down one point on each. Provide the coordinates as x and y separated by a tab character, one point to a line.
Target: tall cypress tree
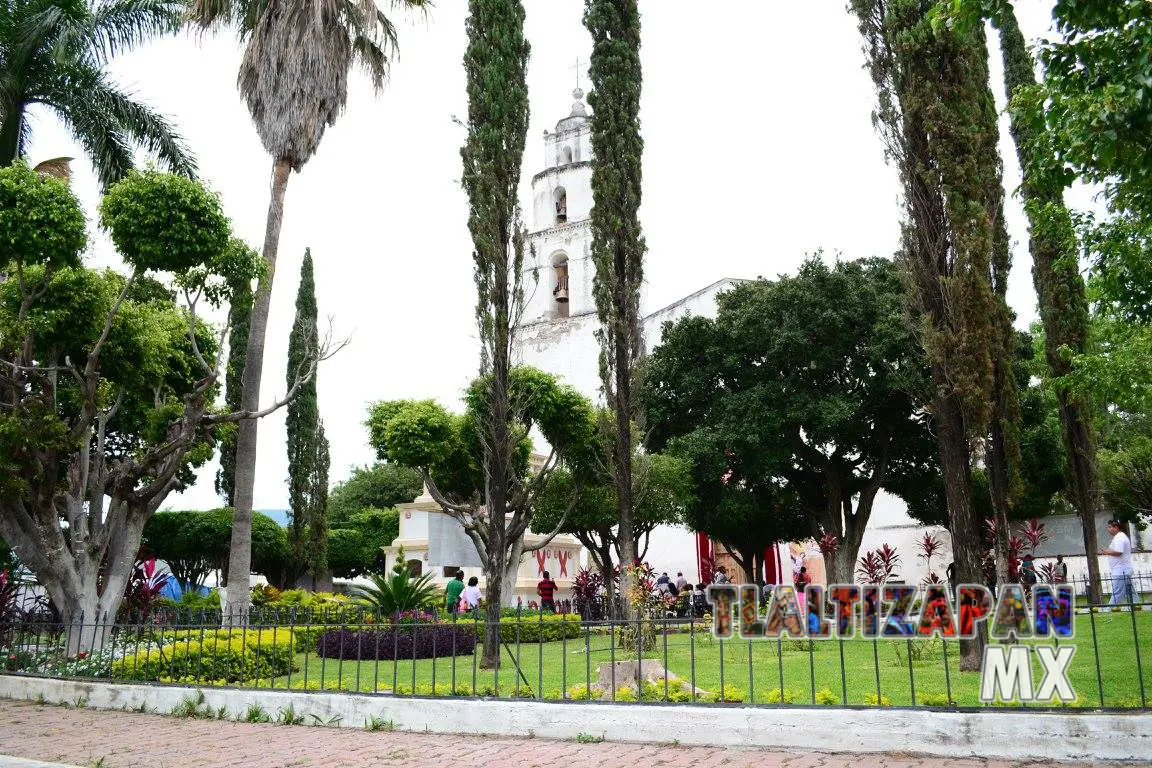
495	65
306	443
1059	286
617	241
239	313
938	119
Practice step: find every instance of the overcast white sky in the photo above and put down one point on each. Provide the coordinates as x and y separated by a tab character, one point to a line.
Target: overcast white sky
759	148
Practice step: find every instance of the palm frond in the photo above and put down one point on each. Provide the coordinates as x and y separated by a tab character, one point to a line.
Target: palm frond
97	132
36	29
372	59
107	121
214	15
118	26
146	127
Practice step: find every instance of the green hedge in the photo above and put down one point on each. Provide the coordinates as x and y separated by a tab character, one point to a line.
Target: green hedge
228	655
538	628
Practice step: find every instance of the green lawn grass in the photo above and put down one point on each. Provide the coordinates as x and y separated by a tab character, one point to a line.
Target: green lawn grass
852	670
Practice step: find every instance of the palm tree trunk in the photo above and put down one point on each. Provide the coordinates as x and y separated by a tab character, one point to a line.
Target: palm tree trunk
240	553
10	134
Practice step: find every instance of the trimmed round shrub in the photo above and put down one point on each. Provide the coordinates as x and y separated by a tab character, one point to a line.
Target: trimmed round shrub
40	219
165	222
430	641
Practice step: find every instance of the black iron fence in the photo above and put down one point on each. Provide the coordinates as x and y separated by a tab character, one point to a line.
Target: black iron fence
1140	582
557	657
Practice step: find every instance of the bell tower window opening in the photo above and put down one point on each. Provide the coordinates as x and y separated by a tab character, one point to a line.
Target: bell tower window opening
561	197
560	295
566	155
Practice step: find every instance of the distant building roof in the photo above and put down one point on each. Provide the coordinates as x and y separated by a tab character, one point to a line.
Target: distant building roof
732	281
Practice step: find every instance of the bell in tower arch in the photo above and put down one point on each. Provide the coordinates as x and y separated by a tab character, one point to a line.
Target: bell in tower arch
560	292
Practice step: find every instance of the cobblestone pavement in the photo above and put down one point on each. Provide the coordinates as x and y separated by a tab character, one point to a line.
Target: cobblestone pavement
96	739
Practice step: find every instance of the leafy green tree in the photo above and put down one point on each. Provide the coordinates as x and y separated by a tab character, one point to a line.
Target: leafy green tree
937	117
1059	286
355	545
665	493
1126	472
195	544
734	500
451	452
294	79
307	446
617	242
56	53
107	384
806	393
380	486
495	66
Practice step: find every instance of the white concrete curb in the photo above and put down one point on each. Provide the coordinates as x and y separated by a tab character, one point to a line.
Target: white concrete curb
7	761
1010	735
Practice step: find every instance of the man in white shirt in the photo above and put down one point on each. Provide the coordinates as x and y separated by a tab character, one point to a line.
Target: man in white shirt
1119	554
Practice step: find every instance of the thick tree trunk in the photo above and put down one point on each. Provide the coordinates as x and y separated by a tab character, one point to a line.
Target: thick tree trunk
493	601
1080	445
963	523
1060	294
240	553
842	568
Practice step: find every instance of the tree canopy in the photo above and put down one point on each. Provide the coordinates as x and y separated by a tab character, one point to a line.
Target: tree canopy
355	544
107	383
803	395
379	486
195	543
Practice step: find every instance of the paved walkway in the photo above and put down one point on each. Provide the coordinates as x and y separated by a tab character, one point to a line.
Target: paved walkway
95	739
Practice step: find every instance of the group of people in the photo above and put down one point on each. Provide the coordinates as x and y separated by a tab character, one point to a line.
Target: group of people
461	598
683	599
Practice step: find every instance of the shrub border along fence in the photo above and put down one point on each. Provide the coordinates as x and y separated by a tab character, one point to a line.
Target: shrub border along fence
999	735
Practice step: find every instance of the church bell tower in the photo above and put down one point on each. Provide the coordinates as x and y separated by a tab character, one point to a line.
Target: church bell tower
558	265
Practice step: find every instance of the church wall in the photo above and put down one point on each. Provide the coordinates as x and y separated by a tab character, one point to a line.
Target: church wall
568	350
700	304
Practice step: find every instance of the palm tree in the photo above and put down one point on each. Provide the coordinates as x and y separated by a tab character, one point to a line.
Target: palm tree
294	78
54	53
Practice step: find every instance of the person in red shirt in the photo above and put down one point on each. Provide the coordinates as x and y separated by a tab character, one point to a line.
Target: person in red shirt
547	591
